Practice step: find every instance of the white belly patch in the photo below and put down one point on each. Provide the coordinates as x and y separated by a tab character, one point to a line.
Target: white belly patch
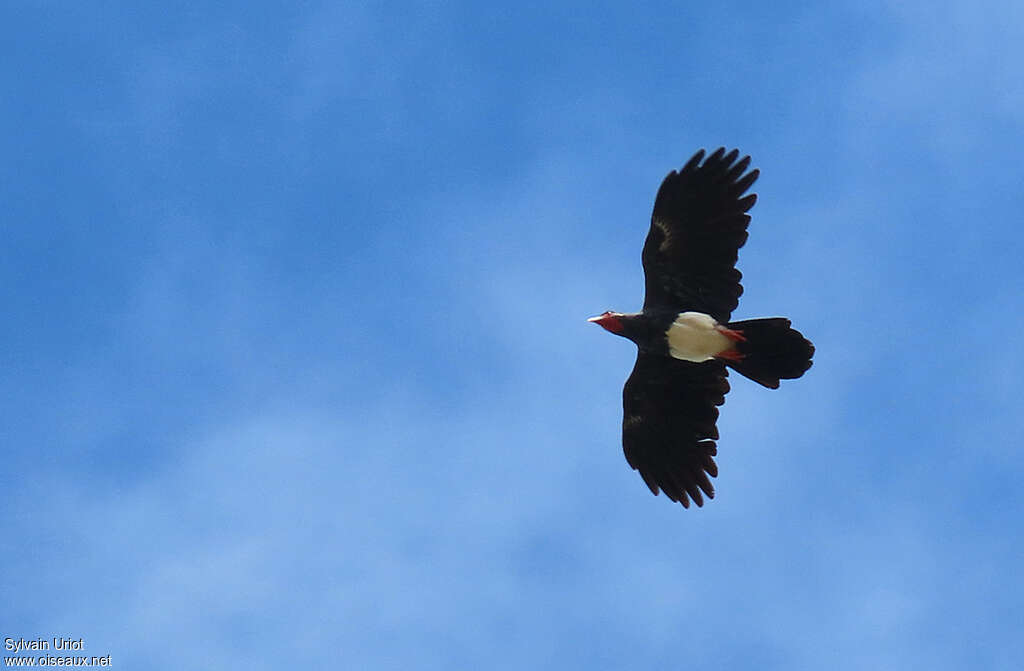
694	336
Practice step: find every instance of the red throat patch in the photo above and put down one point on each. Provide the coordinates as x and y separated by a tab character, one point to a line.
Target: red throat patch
609	321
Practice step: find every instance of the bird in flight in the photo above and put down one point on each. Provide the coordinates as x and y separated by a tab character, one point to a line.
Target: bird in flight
684	338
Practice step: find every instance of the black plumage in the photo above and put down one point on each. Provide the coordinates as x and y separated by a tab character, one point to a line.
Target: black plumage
698	225
670	405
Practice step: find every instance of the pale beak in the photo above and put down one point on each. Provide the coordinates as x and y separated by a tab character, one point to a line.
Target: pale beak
595	319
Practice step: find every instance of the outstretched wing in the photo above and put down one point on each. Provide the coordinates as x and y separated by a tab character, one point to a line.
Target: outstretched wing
668	426
698	225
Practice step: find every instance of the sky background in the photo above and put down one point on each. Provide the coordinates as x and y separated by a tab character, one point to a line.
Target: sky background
294	366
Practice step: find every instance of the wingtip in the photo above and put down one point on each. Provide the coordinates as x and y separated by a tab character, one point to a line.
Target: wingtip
694	161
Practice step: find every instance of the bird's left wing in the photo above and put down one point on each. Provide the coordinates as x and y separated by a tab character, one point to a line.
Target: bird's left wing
668	427
697	227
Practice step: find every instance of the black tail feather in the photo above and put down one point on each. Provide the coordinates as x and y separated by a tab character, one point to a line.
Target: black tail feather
773	351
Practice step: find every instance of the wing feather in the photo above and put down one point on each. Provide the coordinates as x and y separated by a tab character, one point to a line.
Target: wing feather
669	424
698	225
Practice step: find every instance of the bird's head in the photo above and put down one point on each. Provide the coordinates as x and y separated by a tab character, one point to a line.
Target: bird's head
610	321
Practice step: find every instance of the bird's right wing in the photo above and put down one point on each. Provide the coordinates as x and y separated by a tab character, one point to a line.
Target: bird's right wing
668	426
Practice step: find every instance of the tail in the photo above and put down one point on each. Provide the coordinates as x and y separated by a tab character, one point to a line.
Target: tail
772	351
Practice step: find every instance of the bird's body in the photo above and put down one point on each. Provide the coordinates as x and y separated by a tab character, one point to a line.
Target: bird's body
683	334
697	337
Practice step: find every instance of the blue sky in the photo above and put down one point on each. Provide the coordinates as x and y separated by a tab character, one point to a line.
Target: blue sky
295	372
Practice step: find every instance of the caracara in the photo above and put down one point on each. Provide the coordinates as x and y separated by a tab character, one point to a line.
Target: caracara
684	338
